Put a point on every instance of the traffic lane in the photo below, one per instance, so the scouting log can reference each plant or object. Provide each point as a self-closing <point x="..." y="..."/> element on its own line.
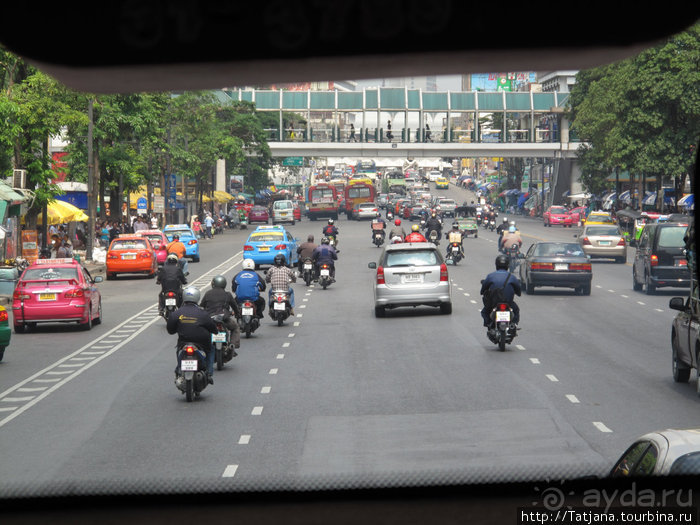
<point x="31" y="352"/>
<point x="347" y="364"/>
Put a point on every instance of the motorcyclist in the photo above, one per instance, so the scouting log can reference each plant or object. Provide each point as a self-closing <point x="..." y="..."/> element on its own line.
<point x="305" y="250"/>
<point x="279" y="277"/>
<point x="171" y="279"/>
<point x="433" y="224"/>
<point x="491" y="215"/>
<point x="503" y="227"/>
<point x="415" y="235"/>
<point x="178" y="248"/>
<point x="325" y="254"/>
<point x="378" y="224"/>
<point x="247" y="285"/>
<point x="193" y="325"/>
<point x="219" y="301"/>
<point x="496" y="280"/>
<point x="511" y="237"/>
<point x="330" y="230"/>
<point x="455" y="236"/>
<point x="397" y="230"/>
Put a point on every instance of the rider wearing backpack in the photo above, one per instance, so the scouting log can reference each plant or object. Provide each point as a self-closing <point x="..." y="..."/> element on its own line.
<point x="500" y="286"/>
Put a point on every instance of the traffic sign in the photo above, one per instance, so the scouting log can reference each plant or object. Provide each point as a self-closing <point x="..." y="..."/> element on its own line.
<point x="293" y="161"/>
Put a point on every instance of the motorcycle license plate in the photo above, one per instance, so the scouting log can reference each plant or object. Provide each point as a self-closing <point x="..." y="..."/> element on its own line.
<point x="218" y="338"/>
<point x="279" y="306"/>
<point x="325" y="273"/>
<point x="171" y="302"/>
<point x="247" y="311"/>
<point x="502" y="317"/>
<point x="189" y="365"/>
<point x="455" y="249"/>
<point x="308" y="267"/>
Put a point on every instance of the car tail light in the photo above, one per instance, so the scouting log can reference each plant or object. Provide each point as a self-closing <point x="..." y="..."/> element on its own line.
<point x="112" y="255"/>
<point x="145" y="255"/>
<point x="74" y="292"/>
<point x="654" y="260"/>
<point x="189" y="349"/>
<point x="3" y="316"/>
<point x="621" y="242"/>
<point x="248" y="248"/>
<point x="380" y="275"/>
<point x="281" y="247"/>
<point x="171" y="294"/>
<point x="19" y="296"/>
<point x="580" y="266"/>
<point x="443" y="272"/>
<point x="192" y="241"/>
<point x="541" y="266"/>
<point x="585" y="241"/>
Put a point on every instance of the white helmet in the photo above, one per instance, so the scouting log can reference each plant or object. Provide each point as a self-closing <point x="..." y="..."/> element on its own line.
<point x="248" y="264"/>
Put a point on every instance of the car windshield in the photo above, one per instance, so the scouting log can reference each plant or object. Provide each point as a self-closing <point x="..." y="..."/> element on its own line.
<point x="266" y="237"/>
<point x="557" y="250"/>
<point x="48" y="274"/>
<point x="559" y="209"/>
<point x="130" y="244"/>
<point x="411" y="258"/>
<point x="603" y="230"/>
<point x="672" y="237"/>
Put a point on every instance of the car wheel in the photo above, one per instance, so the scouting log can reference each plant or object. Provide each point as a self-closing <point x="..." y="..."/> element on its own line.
<point x="635" y="285"/>
<point x="110" y="276"/>
<point x="20" y="328"/>
<point x="87" y="326"/>
<point x="446" y="308"/>
<point x="379" y="311"/>
<point x="195" y="259"/>
<point x="2" y="352"/>
<point x="98" y="319"/>
<point x="585" y="289"/>
<point x="681" y="371"/>
<point x="649" y="287"/>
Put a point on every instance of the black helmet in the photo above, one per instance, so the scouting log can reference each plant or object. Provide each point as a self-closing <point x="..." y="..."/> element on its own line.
<point x="325" y="240"/>
<point x="280" y="260"/>
<point x="218" y="282"/>
<point x="501" y="262"/>
<point x="455" y="225"/>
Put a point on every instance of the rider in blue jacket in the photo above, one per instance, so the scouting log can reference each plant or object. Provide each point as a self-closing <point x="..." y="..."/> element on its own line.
<point x="325" y="254"/>
<point x="247" y="285"/>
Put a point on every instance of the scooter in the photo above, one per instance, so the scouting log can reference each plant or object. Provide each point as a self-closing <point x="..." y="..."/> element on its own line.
<point x="249" y="320"/>
<point x="221" y="342"/>
<point x="502" y="330"/>
<point x="454" y="254"/>
<point x="191" y="373"/>
<point x="169" y="304"/>
<point x="280" y="307"/>
<point x="378" y="238"/>
<point x="492" y="225"/>
<point x="324" y="275"/>
<point x="307" y="271"/>
<point x="514" y="257"/>
<point x="433" y="237"/>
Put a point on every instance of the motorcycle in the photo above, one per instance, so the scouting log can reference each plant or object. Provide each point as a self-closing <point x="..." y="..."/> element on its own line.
<point x="502" y="330"/>
<point x="514" y="257"/>
<point x="221" y="342"/>
<point x="169" y="304"/>
<point x="279" y="306"/>
<point x="191" y="374"/>
<point x="454" y="254"/>
<point x="492" y="225"/>
<point x="248" y="321"/>
<point x="389" y="216"/>
<point x="332" y="241"/>
<point x="478" y="219"/>
<point x="324" y="276"/>
<point x="422" y="224"/>
<point x="378" y="238"/>
<point x="244" y="221"/>
<point x="433" y="237"/>
<point x="307" y="270"/>
<point x="218" y="227"/>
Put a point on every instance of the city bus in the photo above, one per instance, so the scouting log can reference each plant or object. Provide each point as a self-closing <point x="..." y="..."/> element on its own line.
<point x="366" y="168"/>
<point x="357" y="191"/>
<point x="322" y="201"/>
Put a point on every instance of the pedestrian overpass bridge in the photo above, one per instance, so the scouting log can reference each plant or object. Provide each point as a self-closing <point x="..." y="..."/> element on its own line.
<point x="410" y="123"/>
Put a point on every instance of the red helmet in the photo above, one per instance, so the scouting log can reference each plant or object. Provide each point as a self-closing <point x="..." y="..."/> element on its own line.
<point x="397" y="222"/>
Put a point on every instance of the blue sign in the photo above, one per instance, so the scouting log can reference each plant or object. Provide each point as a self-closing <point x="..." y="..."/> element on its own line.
<point x="142" y="204"/>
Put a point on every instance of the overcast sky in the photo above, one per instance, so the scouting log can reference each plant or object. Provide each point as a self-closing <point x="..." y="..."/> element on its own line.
<point x="444" y="83"/>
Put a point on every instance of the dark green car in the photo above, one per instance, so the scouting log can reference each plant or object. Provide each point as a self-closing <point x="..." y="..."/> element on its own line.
<point x="467" y="225"/>
<point x="5" y="331"/>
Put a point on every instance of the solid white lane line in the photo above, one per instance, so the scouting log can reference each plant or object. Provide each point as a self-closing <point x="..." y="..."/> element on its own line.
<point x="534" y="361"/>
<point x="229" y="471"/>
<point x="244" y="439"/>
<point x="256" y="411"/>
<point x="600" y="426"/>
<point x="552" y="378"/>
<point x="266" y="390"/>
<point x="572" y="398"/>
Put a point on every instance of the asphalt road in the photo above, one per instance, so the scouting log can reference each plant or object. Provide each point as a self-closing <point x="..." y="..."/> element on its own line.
<point x="337" y="397"/>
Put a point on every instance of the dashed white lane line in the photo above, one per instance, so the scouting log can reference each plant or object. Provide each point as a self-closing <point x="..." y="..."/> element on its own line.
<point x="296" y="323"/>
<point x="256" y="411"/>
<point x="291" y="335"/>
<point x="611" y="291"/>
<point x="300" y="315"/>
<point x="572" y="398"/>
<point x="302" y="306"/>
<point x="273" y="371"/>
<point x="229" y="471"/>
<point x="658" y="309"/>
<point x="244" y="439"/>
<point x="600" y="426"/>
<point x="266" y="390"/>
<point x="552" y="378"/>
<point x="534" y="361"/>
<point x="640" y="302"/>
<point x="625" y="296"/>
<point x="280" y="356"/>
<point x="285" y="345"/>
<point x="598" y="286"/>
<point x="520" y="347"/>
<point x="472" y="301"/>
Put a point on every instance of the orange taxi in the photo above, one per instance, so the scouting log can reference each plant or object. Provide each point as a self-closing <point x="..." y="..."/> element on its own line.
<point x="131" y="253"/>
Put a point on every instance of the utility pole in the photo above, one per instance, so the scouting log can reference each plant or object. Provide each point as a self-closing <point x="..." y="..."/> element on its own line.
<point x="92" y="208"/>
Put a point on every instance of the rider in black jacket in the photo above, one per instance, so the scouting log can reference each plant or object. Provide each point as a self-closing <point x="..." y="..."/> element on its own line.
<point x="219" y="301"/>
<point x="171" y="279"/>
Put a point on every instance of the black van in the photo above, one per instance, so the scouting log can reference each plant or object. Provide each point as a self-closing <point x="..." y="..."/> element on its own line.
<point x="660" y="259"/>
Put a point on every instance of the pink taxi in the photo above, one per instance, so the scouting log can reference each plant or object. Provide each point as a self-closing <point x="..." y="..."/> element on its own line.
<point x="159" y="242"/>
<point x="557" y="215"/>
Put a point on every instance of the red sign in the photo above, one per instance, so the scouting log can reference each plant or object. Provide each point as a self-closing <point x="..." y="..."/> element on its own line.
<point x="60" y="163"/>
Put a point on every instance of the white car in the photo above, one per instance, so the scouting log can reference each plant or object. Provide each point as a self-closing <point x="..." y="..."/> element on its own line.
<point x="434" y="175"/>
<point x="659" y="453"/>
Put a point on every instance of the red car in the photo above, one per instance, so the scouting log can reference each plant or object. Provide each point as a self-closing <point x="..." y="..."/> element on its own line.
<point x="159" y="242"/>
<point x="258" y="214"/>
<point x="297" y="211"/>
<point x="558" y="215"/>
<point x="577" y="214"/>
<point x="56" y="291"/>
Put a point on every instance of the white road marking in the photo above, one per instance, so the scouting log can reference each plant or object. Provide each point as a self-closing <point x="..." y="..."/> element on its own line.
<point x="611" y="291"/>
<point x="94" y="353"/>
<point x="472" y="301"/>
<point x="36" y="389"/>
<point x="598" y="286"/>
<point x="280" y="356"/>
<point x="46" y="380"/>
<point x="520" y="347"/>
<point x="82" y="358"/>
<point x="266" y="390"/>
<point x="572" y="398"/>
<point x="460" y="289"/>
<point x="8" y="409"/>
<point x="600" y="426"/>
<point x="16" y="399"/>
<point x="658" y="309"/>
<point x="59" y="373"/>
<point x="98" y="348"/>
<point x="256" y="411"/>
<point x="296" y="323"/>
<point x="229" y="471"/>
<point x="302" y="306"/>
<point x="244" y="439"/>
<point x="71" y="365"/>
<point x="291" y="335"/>
<point x="304" y="299"/>
<point x="625" y="296"/>
<point x="534" y="361"/>
<point x="286" y="345"/>
<point x="552" y="378"/>
<point x="300" y="315"/>
<point x="273" y="371"/>
<point x="640" y="302"/>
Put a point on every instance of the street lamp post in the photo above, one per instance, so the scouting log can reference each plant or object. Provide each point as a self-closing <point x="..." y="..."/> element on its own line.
<point x="92" y="209"/>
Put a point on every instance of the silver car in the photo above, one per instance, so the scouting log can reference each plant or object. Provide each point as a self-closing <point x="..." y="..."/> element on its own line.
<point x="448" y="207"/>
<point x="604" y="240"/>
<point x="366" y="210"/>
<point x="411" y="274"/>
<point x="662" y="453"/>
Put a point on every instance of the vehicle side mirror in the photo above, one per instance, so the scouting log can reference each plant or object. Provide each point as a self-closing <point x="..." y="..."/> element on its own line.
<point x="372" y="265"/>
<point x="98" y="279"/>
<point x="677" y="303"/>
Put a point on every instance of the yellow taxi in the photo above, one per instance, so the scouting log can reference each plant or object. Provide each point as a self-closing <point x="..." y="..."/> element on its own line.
<point x="441" y="183"/>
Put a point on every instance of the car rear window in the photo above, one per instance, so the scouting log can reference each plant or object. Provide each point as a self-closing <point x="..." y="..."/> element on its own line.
<point x="688" y="464"/>
<point x="181" y="233"/>
<point x="130" y="245"/>
<point x="368" y="205"/>
<point x="603" y="230"/>
<point x="411" y="258"/>
<point x="266" y="236"/>
<point x="50" y="274"/>
<point x="557" y="250"/>
<point x="672" y="237"/>
<point x="156" y="240"/>
<point x="282" y="205"/>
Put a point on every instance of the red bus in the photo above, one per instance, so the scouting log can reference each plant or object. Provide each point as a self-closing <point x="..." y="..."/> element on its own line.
<point x="358" y="191"/>
<point x="322" y="201"/>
